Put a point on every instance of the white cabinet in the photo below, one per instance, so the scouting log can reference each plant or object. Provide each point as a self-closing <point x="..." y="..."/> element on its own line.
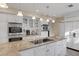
<point x="29" y="52"/>
<point x="40" y="51"/>
<point x="72" y="42"/>
<point x="72" y="27"/>
<point x="45" y="50"/>
<point x="37" y="51"/>
<point x="68" y="33"/>
<point x="11" y="18"/>
<point x="75" y="40"/>
<point x="19" y="19"/>
<point x="60" y="48"/>
<point x="50" y="49"/>
<point x="14" y="18"/>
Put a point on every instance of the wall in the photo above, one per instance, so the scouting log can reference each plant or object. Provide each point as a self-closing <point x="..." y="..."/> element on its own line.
<point x="3" y="28"/>
<point x="71" y="14"/>
<point x="57" y="27"/>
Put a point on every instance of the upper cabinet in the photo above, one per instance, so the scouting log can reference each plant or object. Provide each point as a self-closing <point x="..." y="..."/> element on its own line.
<point x="19" y="19"/>
<point x="14" y="18"/>
<point x="31" y="23"/>
<point x="36" y="23"/>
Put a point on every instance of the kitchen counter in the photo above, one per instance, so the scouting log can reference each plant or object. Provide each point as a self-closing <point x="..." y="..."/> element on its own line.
<point x="13" y="48"/>
<point x="53" y="40"/>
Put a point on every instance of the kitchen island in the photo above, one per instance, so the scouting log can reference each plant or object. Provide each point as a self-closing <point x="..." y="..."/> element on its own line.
<point x="56" y="47"/>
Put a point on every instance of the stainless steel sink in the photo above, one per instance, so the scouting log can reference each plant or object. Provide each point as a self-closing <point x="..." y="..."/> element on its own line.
<point x="36" y="41"/>
<point x="41" y="41"/>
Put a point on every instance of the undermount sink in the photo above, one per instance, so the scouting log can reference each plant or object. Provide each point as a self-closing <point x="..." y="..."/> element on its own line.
<point x="41" y="41"/>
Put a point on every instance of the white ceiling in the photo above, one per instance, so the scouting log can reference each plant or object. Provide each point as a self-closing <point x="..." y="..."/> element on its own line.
<point x="55" y="9"/>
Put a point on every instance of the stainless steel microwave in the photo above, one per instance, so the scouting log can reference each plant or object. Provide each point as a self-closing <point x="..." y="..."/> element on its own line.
<point x="15" y="29"/>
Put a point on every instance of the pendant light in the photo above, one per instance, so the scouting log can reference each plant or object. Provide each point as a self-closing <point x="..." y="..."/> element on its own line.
<point x="20" y="13"/>
<point x="53" y="21"/>
<point x="48" y="14"/>
<point x="3" y="5"/>
<point x="47" y="20"/>
<point x="41" y="19"/>
<point x="33" y="17"/>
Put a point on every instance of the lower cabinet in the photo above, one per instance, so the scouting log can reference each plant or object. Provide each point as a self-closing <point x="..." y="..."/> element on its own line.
<point x="28" y="52"/>
<point x="45" y="50"/>
<point x="52" y="49"/>
<point x="60" y="48"/>
<point x="40" y="51"/>
<point x="59" y="51"/>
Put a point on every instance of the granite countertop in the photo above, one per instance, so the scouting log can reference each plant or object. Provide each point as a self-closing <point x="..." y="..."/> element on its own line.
<point x="13" y="48"/>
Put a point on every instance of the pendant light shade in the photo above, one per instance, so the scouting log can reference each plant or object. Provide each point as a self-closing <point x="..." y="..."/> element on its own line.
<point x="3" y="5"/>
<point x="33" y="17"/>
<point x="20" y="13"/>
<point x="53" y="21"/>
<point x="47" y="20"/>
<point x="41" y="19"/>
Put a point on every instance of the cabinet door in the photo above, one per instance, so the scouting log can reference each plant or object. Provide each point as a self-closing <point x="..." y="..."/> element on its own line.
<point x="75" y="42"/>
<point x="29" y="52"/>
<point x="68" y="33"/>
<point x="19" y="19"/>
<point x="60" y="48"/>
<point x="11" y="18"/>
<point x="50" y="49"/>
<point x="40" y="51"/>
<point x="31" y="22"/>
<point x="36" y="23"/>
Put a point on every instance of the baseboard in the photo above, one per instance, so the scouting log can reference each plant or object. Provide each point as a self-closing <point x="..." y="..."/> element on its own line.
<point x="72" y="49"/>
